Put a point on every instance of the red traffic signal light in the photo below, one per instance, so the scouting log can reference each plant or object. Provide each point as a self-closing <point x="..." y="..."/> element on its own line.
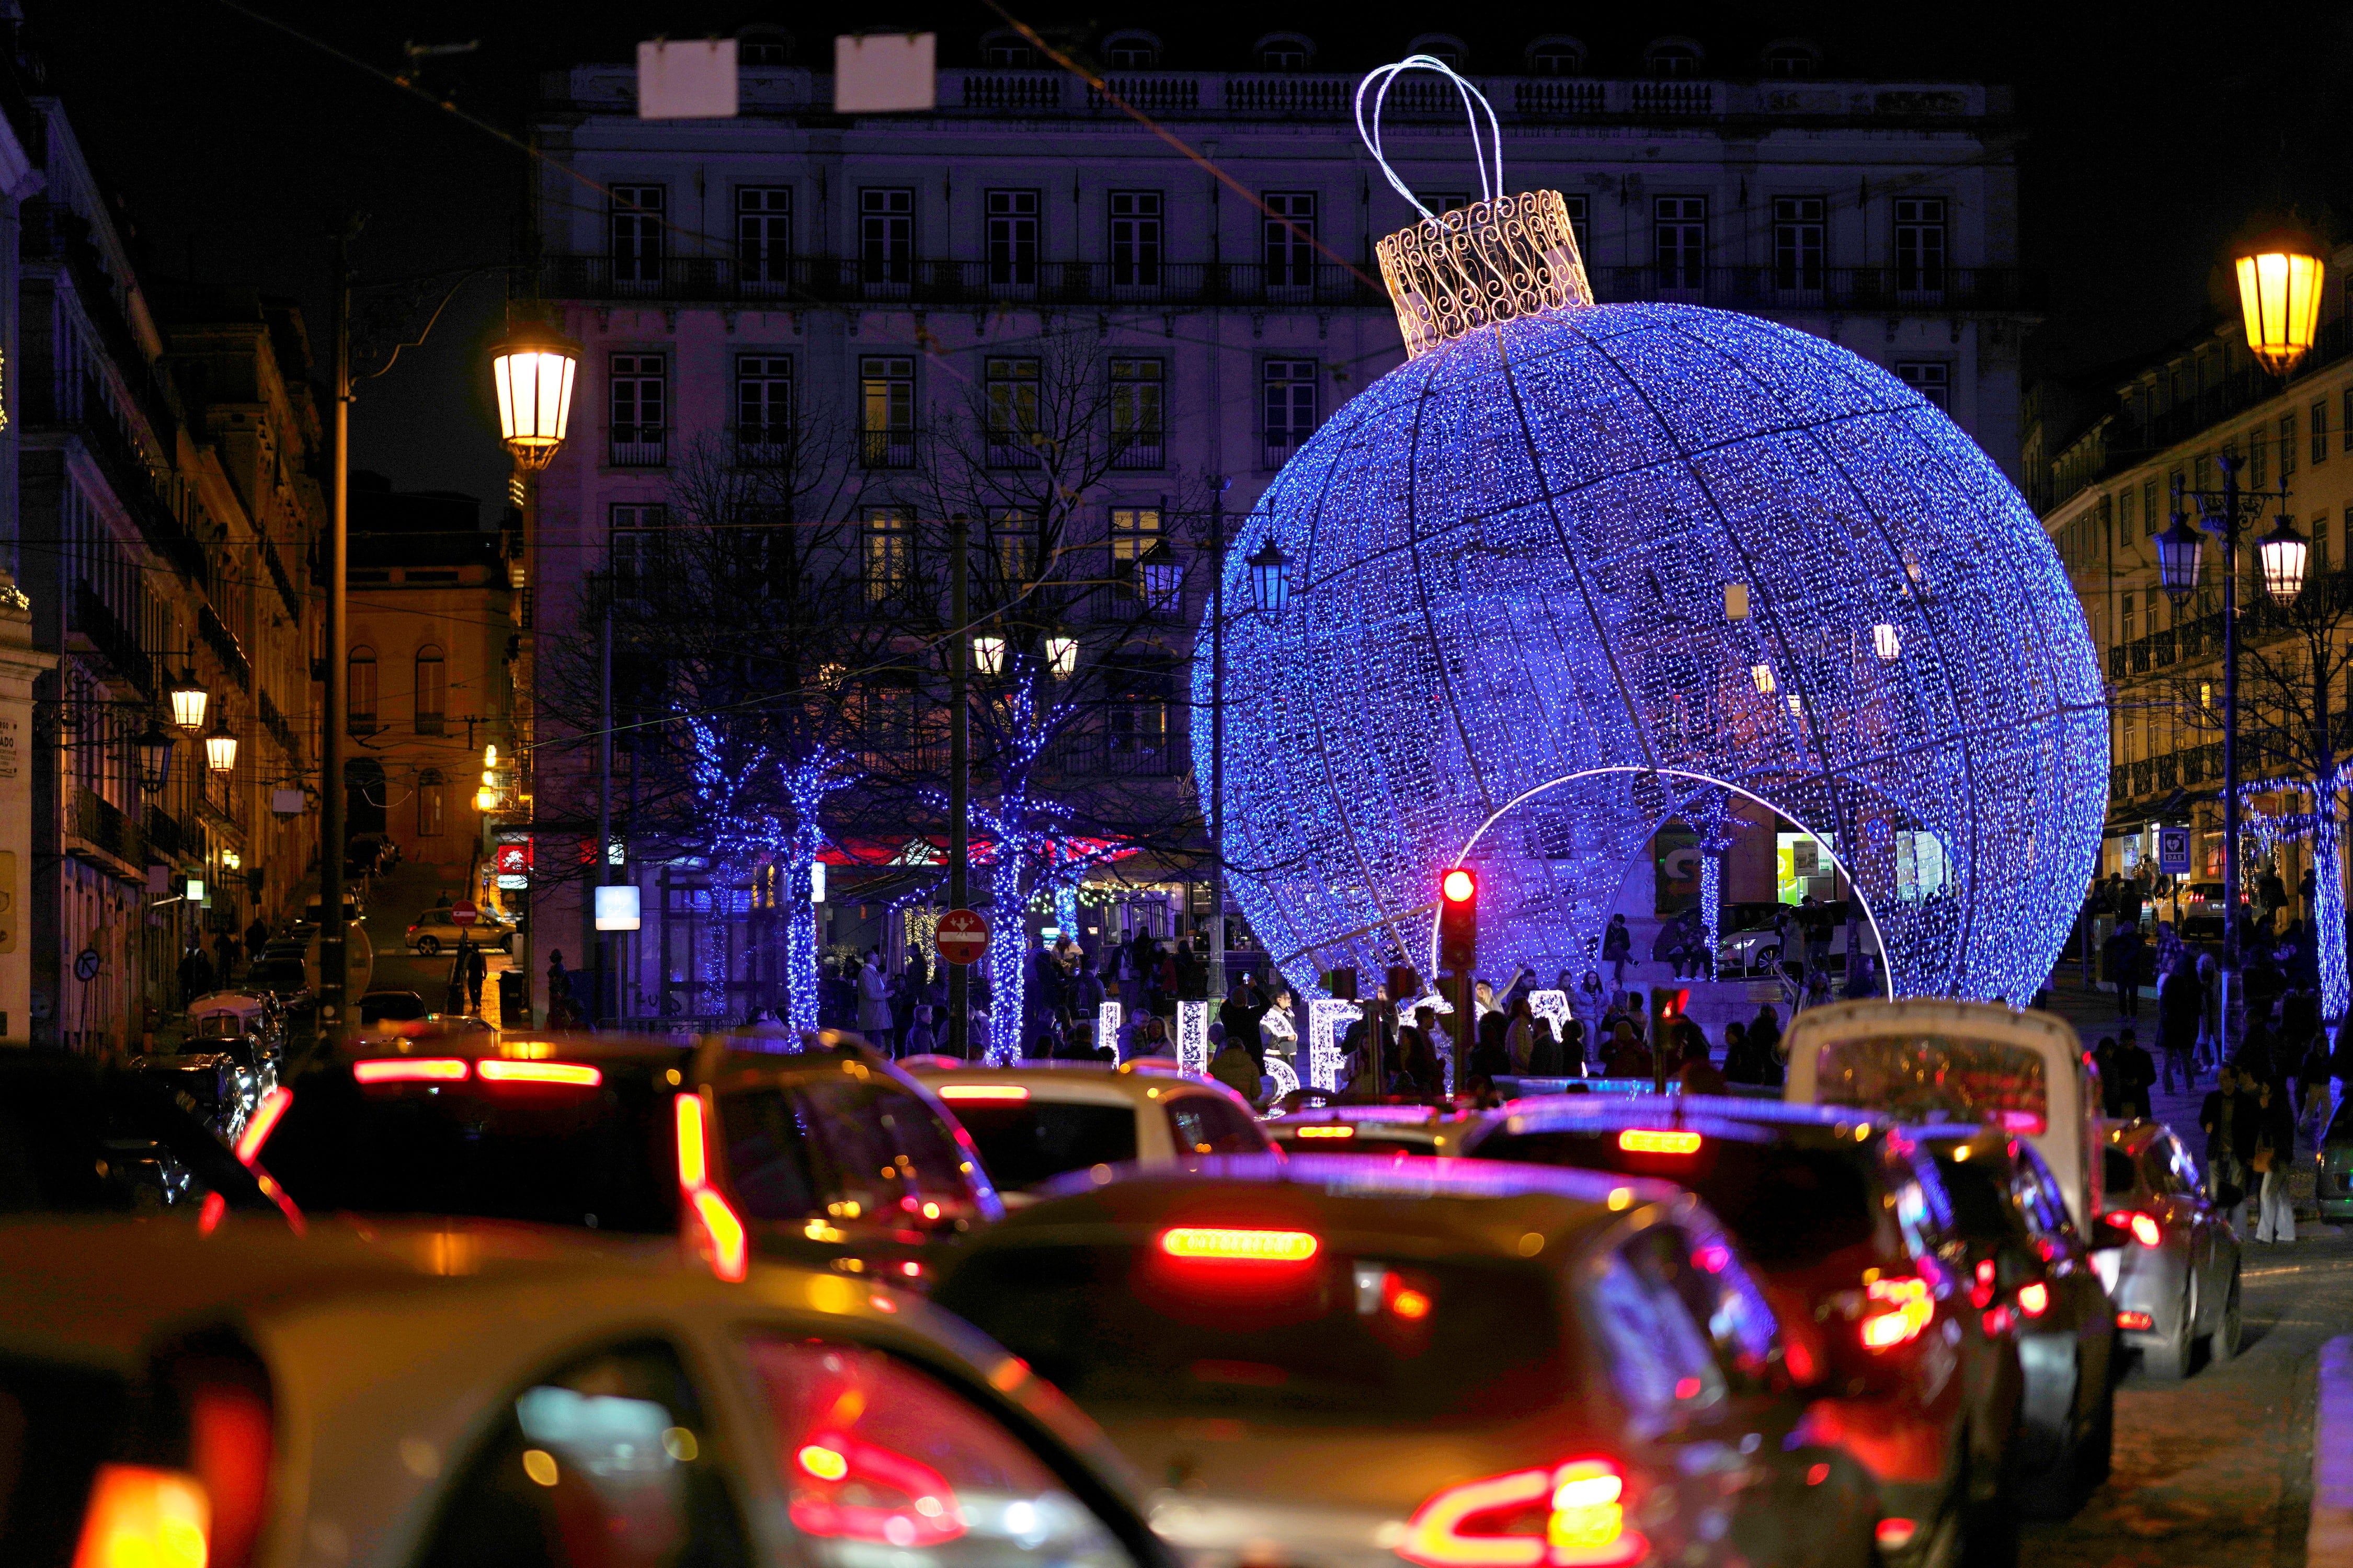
<point x="1458" y="922"/>
<point x="1460" y="886"/>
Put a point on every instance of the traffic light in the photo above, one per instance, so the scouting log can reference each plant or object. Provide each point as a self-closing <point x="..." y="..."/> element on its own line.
<point x="1458" y="922"/>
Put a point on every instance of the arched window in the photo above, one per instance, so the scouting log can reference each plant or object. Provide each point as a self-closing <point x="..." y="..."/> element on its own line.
<point x="1674" y="58"/>
<point x="432" y="689"/>
<point x="359" y="692"/>
<point x="1132" y="51"/>
<point x="1789" y="58"/>
<point x="1557" y="56"/>
<point x="1443" y="47"/>
<point x="1002" y="49"/>
<point x="1284" y="52"/>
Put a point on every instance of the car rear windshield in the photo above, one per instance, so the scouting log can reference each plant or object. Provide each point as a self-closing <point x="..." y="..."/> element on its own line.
<point x="1929" y="1078"/>
<point x="842" y="1146"/>
<point x="602" y="1157"/>
<point x="1789" y="1206"/>
<point x="1024" y="1142"/>
<point x="1340" y="1334"/>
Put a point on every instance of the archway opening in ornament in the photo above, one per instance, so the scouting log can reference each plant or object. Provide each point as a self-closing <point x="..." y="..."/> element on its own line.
<point x="1535" y="890"/>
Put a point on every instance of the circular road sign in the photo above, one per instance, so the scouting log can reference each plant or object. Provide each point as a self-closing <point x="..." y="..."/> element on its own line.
<point x="962" y="936"/>
<point x="462" y="913"/>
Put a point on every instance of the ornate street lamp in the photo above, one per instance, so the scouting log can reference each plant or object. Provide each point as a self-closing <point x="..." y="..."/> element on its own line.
<point x="155" y="746"/>
<point x="1270" y="577"/>
<point x="188" y="699"/>
<point x="988" y="654"/>
<point x="2283" y="552"/>
<point x="220" y="746"/>
<point x="2180" y="552"/>
<point x="1157" y="579"/>
<point x="2280" y="278"/>
<point x="1063" y="657"/>
<point x="533" y="368"/>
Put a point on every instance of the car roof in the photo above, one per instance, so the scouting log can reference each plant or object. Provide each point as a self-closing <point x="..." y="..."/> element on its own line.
<point x="1069" y="1083"/>
<point x="1727" y="1115"/>
<point x="1443" y="1206"/>
<point x="1404" y="1116"/>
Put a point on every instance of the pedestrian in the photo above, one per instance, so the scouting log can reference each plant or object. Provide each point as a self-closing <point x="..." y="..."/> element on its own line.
<point x="2209" y="1025"/>
<point x="257" y="937"/>
<point x="1617" y="949"/>
<point x="1696" y="1073"/>
<point x="472" y="969"/>
<point x="2135" y="1076"/>
<point x="1417" y="1075"/>
<point x="1547" y="1054"/>
<point x="1520" y="1037"/>
<point x="1573" y="1060"/>
<point x="2228" y="1119"/>
<point x="1625" y="1056"/>
<point x="2120" y="955"/>
<point x="1765" y="1046"/>
<point x="1491" y="1056"/>
<point x="2273" y="1158"/>
<point x="1155" y="1041"/>
<point x="874" y="1003"/>
<point x="224" y="953"/>
<point x="1088" y="991"/>
<point x="2179" y="1007"/>
<point x="2312" y="1084"/>
<point x="1814" y="918"/>
<point x="1239" y="1015"/>
<point x="1231" y="1063"/>
<point x="918" y="1040"/>
<point x="195" y="975"/>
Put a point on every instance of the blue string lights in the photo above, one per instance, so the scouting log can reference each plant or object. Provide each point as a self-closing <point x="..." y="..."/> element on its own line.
<point x="1654" y="537"/>
<point x="2318" y="825"/>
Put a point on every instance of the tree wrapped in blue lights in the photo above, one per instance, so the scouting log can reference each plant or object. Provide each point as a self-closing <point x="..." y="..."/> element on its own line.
<point x="1561" y="569"/>
<point x="2319" y="827"/>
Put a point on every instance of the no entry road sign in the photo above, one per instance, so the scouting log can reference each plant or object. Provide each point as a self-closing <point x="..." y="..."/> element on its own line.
<point x="962" y="937"/>
<point x="462" y="913"/>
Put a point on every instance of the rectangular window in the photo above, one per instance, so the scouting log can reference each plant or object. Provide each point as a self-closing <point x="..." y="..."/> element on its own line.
<point x="1012" y="387"/>
<point x="763" y="234"/>
<point x="640" y="409"/>
<point x="1140" y="554"/>
<point x="1012" y="237"/>
<point x="1134" y="530"/>
<point x="432" y="697"/>
<point x="2320" y="432"/>
<point x="2132" y="622"/>
<point x="888" y="552"/>
<point x="886" y="237"/>
<point x="1288" y="388"/>
<point x="2148" y="510"/>
<point x="1013" y="544"/>
<point x="1932" y="379"/>
<point x="886" y="417"/>
<point x="2286" y="446"/>
<point x="1576" y="210"/>
<point x="2345" y="422"/>
<point x="2319" y="544"/>
<point x="764" y="409"/>
<point x="635" y="546"/>
<point x="637" y="233"/>
<point x="1679" y="234"/>
<point x="1920" y="244"/>
<point x="2125" y="513"/>
<point x="360" y="693"/>
<point x="428" y="810"/>
<point x="1136" y="239"/>
<point x="1290" y="230"/>
<point x="1138" y="431"/>
<point x="1798" y="231"/>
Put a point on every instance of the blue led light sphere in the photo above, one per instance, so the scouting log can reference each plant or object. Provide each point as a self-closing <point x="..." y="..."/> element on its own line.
<point x="1563" y="578"/>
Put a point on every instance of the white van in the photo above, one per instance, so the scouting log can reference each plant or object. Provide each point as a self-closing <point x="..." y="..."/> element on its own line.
<point x="1924" y="1061"/>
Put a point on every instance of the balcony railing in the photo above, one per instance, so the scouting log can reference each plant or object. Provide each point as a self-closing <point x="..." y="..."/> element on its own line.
<point x="115" y="641"/>
<point x="99" y="821"/>
<point x="887" y="448"/>
<point x="638" y="446"/>
<point x="274" y="722"/>
<point x="719" y="279"/>
<point x="761" y="446"/>
<point x="1139" y="452"/>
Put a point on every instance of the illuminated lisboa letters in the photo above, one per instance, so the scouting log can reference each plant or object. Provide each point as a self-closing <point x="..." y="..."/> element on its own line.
<point x="1574" y="570"/>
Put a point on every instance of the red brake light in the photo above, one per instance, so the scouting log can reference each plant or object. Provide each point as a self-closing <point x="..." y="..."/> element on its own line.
<point x="2034" y="1299"/>
<point x="1895" y="1534"/>
<point x="1334" y="1129"/>
<point x="1906" y="1308"/>
<point x="1648" y="1141"/>
<point x="137" y="1514"/>
<point x="410" y="1069"/>
<point x="717" y="1230"/>
<point x="1226" y="1244"/>
<point x="572" y="1073"/>
<point x="996" y="1091"/>
<point x="2135" y="1320"/>
<point x="2147" y="1231"/>
<point x="1573" y="1515"/>
<point x="1981" y="1292"/>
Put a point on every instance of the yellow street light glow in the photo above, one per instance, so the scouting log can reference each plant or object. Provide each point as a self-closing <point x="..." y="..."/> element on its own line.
<point x="2280" y="278"/>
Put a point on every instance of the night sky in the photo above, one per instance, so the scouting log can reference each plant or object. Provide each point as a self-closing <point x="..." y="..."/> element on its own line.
<point x="2154" y="132"/>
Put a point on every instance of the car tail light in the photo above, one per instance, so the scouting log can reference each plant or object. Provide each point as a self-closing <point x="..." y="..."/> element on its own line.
<point x="1332" y="1130"/>
<point x="1895" y="1534"/>
<point x="1981" y="1292"/>
<point x="985" y="1091"/>
<point x="717" y="1231"/>
<point x="1650" y="1141"/>
<point x="1228" y="1245"/>
<point x="140" y="1517"/>
<point x="1572" y="1515"/>
<point x="258" y="1129"/>
<point x="572" y="1073"/>
<point x="839" y="1478"/>
<point x="2034" y="1299"/>
<point x="262" y="1123"/>
<point x="410" y="1069"/>
<point x="2144" y="1228"/>
<point x="2135" y="1320"/>
<point x="1998" y="1322"/>
<point x="1903" y="1308"/>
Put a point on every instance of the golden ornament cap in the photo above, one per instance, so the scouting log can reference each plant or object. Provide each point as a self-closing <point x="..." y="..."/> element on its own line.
<point x="1477" y="266"/>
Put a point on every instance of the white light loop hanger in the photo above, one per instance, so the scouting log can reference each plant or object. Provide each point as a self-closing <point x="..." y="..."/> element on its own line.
<point x="1474" y="102"/>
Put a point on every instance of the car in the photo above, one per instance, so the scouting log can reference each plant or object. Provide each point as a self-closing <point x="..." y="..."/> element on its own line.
<point x="1776" y="944"/>
<point x="2333" y="1176"/>
<point x="354" y="909"/>
<point x="830" y="1157"/>
<point x="83" y="1137"/>
<point x="392" y="1006"/>
<point x="428" y="1397"/>
<point x="1323" y="1361"/>
<point x="2166" y="1253"/>
<point x="1393" y="1132"/>
<point x="1847" y="1223"/>
<point x="2029" y="1263"/>
<point x="434" y="932"/>
<point x="1034" y="1122"/>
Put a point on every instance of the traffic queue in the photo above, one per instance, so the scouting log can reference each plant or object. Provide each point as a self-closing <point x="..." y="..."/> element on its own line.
<point x="458" y="1297"/>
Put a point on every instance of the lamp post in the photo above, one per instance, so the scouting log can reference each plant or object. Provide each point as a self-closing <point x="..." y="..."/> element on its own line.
<point x="2280" y="278"/>
<point x="2180" y="552"/>
<point x="532" y="370"/>
<point x="155" y="747"/>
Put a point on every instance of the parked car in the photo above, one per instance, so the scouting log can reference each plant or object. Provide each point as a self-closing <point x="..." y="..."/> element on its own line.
<point x="1846" y="1222"/>
<point x="2166" y="1253"/>
<point x="437" y="1400"/>
<point x="393" y="1006"/>
<point x="832" y="1158"/>
<point x="1324" y="1361"/>
<point x="2333" y="1181"/>
<point x="2027" y="1260"/>
<point x="1775" y="944"/>
<point x="1392" y="1132"/>
<point x="434" y="932"/>
<point x="354" y="909"/>
<point x="1035" y="1121"/>
<point x="83" y="1138"/>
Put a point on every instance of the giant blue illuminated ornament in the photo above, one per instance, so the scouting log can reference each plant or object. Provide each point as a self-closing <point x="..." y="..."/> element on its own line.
<point x="1574" y="569"/>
